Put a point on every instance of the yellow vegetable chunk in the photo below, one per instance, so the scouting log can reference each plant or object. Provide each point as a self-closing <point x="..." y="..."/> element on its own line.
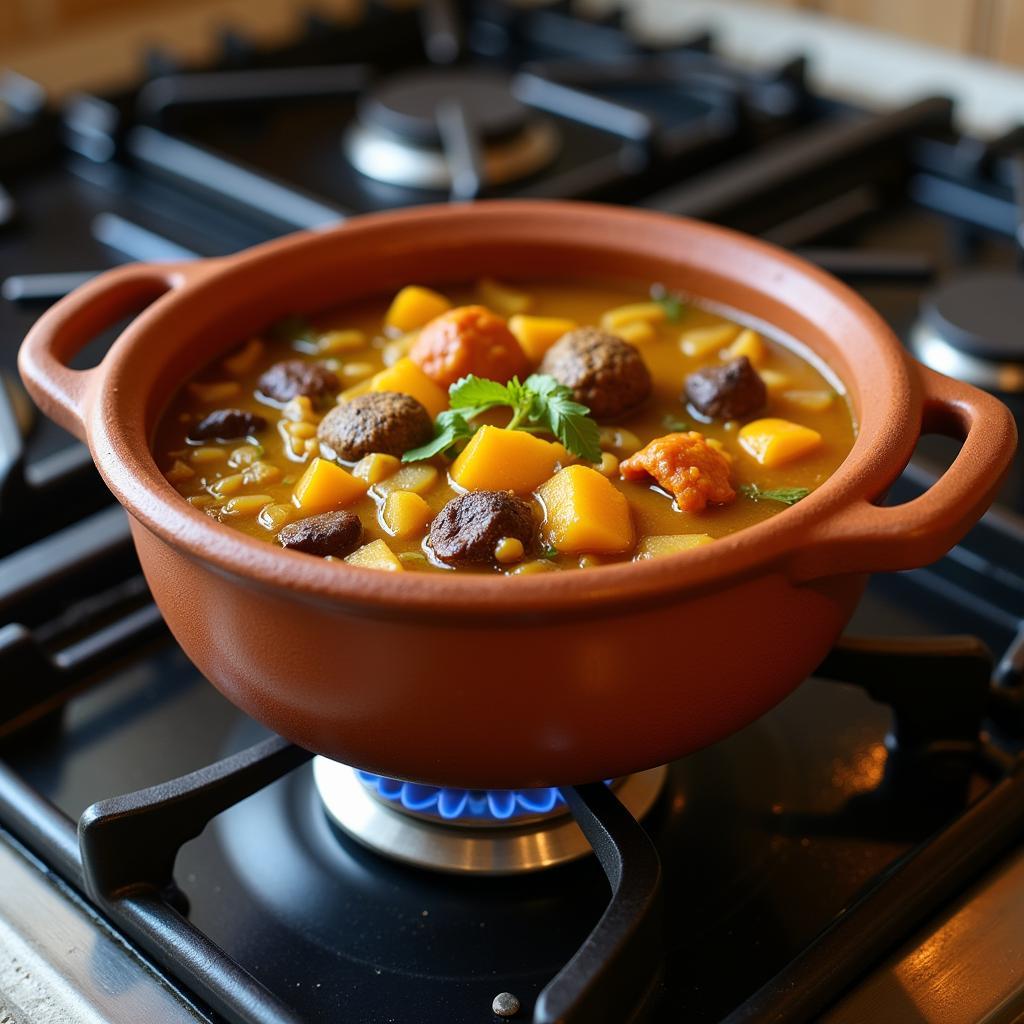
<point x="505" y="460"/>
<point x="418" y="478"/>
<point x="244" y="359"/>
<point x="647" y="312"/>
<point x="773" y="380"/>
<point x="179" y="471"/>
<point x="414" y="306"/>
<point x="658" y="547"/>
<point x="333" y="343"/>
<point x="585" y="514"/>
<point x="509" y="550"/>
<point x="748" y="343"/>
<point x="812" y="401"/>
<point x="503" y="299"/>
<point x="375" y="467"/>
<point x="325" y="486"/>
<point x="375" y="555"/>
<point x="700" y="341"/>
<point x="405" y="514"/>
<point x="774" y="442"/>
<point x="636" y="332"/>
<point x="536" y="334"/>
<point x="405" y="376"/>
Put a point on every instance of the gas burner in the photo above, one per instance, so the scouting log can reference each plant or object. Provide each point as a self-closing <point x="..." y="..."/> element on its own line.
<point x="532" y="829"/>
<point x="971" y="328"/>
<point x="404" y="131"/>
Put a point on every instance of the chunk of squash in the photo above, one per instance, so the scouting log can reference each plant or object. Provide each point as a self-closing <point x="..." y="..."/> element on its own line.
<point x="748" y="343"/>
<point x="702" y="341"/>
<point x="503" y="298"/>
<point x="376" y="555"/>
<point x="646" y="312"/>
<point x="405" y="376"/>
<point x="774" y="442"/>
<point x="585" y="514"/>
<point x="536" y="334"/>
<point x="325" y="486"/>
<point x="405" y="514"/>
<point x="505" y="460"/>
<point x="670" y="544"/>
<point x="375" y="467"/>
<point x="414" y="306"/>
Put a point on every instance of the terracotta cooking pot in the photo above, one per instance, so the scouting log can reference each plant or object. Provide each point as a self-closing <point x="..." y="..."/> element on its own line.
<point x="554" y="678"/>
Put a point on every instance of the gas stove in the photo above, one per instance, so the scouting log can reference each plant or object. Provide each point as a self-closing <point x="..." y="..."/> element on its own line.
<point x="847" y="857"/>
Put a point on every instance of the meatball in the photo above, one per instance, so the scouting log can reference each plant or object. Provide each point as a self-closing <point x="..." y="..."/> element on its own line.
<point x="467" y="530"/>
<point x="605" y="373"/>
<point x="227" y="425"/>
<point x="379" y="421"/>
<point x="686" y="464"/>
<point x="469" y="339"/>
<point x="283" y="381"/>
<point x="330" y="533"/>
<point x="726" y="392"/>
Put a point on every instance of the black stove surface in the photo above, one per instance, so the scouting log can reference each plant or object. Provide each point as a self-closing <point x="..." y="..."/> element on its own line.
<point x="776" y="845"/>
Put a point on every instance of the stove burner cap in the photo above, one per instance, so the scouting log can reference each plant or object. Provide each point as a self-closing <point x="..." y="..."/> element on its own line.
<point x="406" y="105"/>
<point x="972" y="327"/>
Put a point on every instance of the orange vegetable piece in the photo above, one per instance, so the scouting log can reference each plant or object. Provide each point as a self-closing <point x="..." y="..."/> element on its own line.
<point x="506" y="460"/>
<point x="469" y="339"/>
<point x="685" y="464"/>
<point x="325" y="486"/>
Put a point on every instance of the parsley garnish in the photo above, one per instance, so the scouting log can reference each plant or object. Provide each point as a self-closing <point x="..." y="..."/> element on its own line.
<point x="549" y="552"/>
<point x="787" y="495"/>
<point x="671" y="302"/>
<point x="539" y="405"/>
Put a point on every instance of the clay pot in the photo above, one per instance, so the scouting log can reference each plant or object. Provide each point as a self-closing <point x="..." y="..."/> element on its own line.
<point x="488" y="681"/>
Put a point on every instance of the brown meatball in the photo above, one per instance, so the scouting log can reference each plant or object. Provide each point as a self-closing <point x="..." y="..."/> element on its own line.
<point x="330" y="533"/>
<point x="283" y="381"/>
<point x="467" y="530"/>
<point x="726" y="392"/>
<point x="227" y="425"/>
<point x="379" y="421"/>
<point x="605" y="373"/>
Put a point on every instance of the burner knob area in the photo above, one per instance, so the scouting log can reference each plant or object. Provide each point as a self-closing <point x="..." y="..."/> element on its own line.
<point x="505" y="1005"/>
<point x="972" y="327"/>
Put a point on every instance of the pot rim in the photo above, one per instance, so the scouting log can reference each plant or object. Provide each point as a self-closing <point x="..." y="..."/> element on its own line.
<point x="888" y="429"/>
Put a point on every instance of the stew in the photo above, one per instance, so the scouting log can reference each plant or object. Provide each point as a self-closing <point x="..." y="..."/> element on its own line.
<point x="504" y="428"/>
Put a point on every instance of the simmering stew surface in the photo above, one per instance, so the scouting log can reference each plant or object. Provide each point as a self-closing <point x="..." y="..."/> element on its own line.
<point x="504" y="428"/>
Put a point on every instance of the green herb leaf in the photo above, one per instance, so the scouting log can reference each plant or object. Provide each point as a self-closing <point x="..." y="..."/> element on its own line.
<point x="675" y="424"/>
<point x="671" y="302"/>
<point x="548" y="552"/>
<point x="786" y="495"/>
<point x="539" y="405"/>
<point x="450" y="428"/>
<point x="297" y="331"/>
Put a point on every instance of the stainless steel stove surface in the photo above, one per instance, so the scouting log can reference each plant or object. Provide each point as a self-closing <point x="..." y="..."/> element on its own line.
<point x="162" y="858"/>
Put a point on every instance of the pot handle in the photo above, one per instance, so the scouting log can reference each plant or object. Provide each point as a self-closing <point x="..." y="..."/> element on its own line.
<point x="67" y="326"/>
<point x="875" y="538"/>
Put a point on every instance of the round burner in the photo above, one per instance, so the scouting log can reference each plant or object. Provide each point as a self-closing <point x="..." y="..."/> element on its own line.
<point x="406" y="105"/>
<point x="396" y="139"/>
<point x="513" y="846"/>
<point x="972" y="328"/>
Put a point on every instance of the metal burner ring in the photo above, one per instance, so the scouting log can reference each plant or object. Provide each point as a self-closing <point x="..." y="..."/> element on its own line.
<point x="388" y="159"/>
<point x="487" y="850"/>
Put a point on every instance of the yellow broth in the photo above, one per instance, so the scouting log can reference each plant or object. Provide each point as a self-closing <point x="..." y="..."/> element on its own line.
<point x="788" y="375"/>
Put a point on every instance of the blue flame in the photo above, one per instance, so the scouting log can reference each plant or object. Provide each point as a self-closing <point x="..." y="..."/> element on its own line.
<point x="449" y="803"/>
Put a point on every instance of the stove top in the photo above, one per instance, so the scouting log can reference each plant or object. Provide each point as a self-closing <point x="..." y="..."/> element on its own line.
<point x="214" y="871"/>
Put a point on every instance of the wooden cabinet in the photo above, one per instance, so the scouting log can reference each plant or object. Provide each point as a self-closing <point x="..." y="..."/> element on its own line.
<point x="1007" y="31"/>
<point x="951" y="23"/>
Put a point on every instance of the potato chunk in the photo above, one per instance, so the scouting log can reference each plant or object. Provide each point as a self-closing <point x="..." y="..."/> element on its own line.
<point x="414" y="306"/>
<point x="585" y="514"/>
<point x="408" y="379"/>
<point x="502" y="298"/>
<point x="325" y="486"/>
<point x="375" y="555"/>
<point x="748" y="343"/>
<point x="774" y="442"/>
<point x="687" y="465"/>
<point x="405" y="514"/>
<point x="505" y="460"/>
<point x="670" y="544"/>
<point x="536" y="334"/>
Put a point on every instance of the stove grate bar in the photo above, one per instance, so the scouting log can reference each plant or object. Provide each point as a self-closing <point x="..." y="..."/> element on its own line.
<point x="615" y="970"/>
<point x="831" y="156"/>
<point x="893" y="909"/>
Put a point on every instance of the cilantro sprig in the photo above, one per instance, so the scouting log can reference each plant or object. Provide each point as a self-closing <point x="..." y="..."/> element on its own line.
<point x="540" y="405"/>
<point x="786" y="495"/>
<point x="671" y="302"/>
